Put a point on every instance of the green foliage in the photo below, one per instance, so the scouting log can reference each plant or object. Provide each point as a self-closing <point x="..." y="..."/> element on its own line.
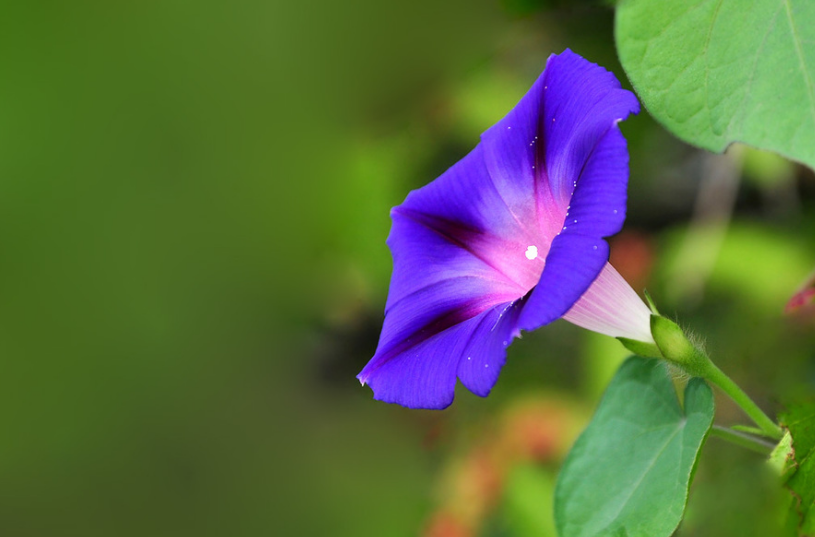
<point x="767" y="170"/>
<point x="781" y="459"/>
<point x="629" y="472"/>
<point x="759" y="264"/>
<point x="719" y="71"/>
<point x="799" y="420"/>
<point x="528" y="487"/>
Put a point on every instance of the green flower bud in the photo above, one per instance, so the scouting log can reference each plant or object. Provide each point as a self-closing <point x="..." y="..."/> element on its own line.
<point x="677" y="348"/>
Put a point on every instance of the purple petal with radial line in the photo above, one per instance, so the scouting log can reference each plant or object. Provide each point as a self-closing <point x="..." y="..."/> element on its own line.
<point x="453" y="292"/>
<point x="580" y="252"/>
<point x="424" y="375"/>
<point x="581" y="102"/>
<point x="459" y="225"/>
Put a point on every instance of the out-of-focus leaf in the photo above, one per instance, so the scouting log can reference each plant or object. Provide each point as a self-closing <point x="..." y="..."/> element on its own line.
<point x="484" y="99"/>
<point x="767" y="170"/>
<point x="758" y="263"/>
<point x="528" y="488"/>
<point x="720" y="71"/>
<point x="628" y="474"/>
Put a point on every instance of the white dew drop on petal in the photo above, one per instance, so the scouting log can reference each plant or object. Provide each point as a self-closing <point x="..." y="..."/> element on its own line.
<point x="531" y="252"/>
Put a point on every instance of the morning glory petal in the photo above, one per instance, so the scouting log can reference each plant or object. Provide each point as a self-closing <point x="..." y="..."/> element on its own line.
<point x="424" y="375"/>
<point x="460" y="226"/>
<point x="581" y="101"/>
<point x="515" y="159"/>
<point x="460" y="263"/>
<point x="612" y="308"/>
<point x="484" y="356"/>
<point x="580" y="251"/>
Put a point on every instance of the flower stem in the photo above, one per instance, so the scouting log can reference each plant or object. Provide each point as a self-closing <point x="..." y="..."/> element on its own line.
<point x="717" y="377"/>
<point x="740" y="439"/>
<point x="677" y="348"/>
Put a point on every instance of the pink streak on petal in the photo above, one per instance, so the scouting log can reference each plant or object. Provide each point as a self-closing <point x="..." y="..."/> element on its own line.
<point x="611" y="307"/>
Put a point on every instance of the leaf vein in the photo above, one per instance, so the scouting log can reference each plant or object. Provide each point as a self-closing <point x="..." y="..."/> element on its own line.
<point x="797" y="42"/>
<point x="680" y="427"/>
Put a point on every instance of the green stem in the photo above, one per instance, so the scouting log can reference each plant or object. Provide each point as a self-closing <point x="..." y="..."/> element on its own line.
<point x="740" y="439"/>
<point x="717" y="377"/>
<point x="676" y="347"/>
<point x="749" y="429"/>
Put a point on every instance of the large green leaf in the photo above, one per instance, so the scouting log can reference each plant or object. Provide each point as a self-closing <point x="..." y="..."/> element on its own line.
<point x="720" y="71"/>
<point x="628" y="474"/>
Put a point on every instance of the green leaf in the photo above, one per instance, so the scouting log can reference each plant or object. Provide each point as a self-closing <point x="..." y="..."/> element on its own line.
<point x="628" y="474"/>
<point x="799" y="420"/>
<point x="782" y="459"/>
<point x="720" y="71"/>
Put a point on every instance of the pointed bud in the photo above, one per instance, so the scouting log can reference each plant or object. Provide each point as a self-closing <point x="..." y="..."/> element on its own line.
<point x="641" y="348"/>
<point x="677" y="348"/>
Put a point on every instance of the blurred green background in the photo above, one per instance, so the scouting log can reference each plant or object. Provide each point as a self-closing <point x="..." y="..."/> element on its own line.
<point x="194" y="201"/>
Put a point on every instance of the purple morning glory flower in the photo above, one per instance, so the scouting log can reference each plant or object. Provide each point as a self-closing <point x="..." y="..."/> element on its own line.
<point x="510" y="238"/>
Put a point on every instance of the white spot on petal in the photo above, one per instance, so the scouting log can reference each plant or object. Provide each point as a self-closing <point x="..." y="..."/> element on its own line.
<point x="531" y="252"/>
